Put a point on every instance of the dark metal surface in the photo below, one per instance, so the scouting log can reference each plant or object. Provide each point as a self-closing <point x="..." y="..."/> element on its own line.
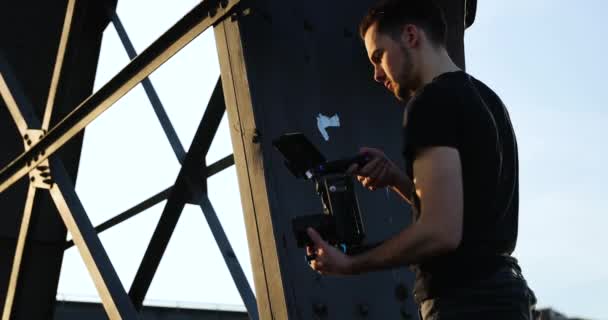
<point x="185" y="30"/>
<point x="471" y="13"/>
<point x="285" y="66"/>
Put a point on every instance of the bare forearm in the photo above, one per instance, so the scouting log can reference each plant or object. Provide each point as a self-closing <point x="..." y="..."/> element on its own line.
<point x="411" y="245"/>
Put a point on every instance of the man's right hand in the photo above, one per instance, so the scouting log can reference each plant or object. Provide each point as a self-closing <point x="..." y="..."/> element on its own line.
<point x="380" y="172"/>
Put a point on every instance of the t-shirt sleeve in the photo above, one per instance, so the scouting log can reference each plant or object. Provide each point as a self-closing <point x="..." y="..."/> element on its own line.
<point x="434" y="120"/>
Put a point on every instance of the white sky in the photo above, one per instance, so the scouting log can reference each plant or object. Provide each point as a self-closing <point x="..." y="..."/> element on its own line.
<point x="544" y="58"/>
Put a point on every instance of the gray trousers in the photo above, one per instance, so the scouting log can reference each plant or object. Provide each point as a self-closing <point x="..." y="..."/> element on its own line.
<point x="502" y="295"/>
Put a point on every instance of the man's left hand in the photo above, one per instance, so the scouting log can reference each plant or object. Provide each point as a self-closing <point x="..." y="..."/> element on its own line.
<point x="328" y="259"/>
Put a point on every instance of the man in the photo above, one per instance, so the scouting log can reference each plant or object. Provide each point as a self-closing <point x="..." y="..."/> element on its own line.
<point x="461" y="153"/>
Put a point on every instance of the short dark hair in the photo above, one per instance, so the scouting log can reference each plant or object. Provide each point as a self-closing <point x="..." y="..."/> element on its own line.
<point x="391" y="15"/>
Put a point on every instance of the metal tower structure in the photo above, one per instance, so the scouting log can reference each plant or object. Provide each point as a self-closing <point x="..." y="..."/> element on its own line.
<point x="283" y="64"/>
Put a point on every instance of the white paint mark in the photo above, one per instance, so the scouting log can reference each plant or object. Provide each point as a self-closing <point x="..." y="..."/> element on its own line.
<point x="324" y="122"/>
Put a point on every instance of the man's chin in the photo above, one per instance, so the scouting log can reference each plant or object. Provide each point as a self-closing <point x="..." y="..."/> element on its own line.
<point x="402" y="95"/>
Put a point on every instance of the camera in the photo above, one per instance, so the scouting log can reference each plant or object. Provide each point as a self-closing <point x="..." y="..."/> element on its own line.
<point x="340" y="222"/>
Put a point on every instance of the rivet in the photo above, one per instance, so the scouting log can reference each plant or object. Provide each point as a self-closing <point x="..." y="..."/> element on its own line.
<point x="401" y="292"/>
<point x="319" y="309"/>
<point x="308" y="26"/>
<point x="363" y="309"/>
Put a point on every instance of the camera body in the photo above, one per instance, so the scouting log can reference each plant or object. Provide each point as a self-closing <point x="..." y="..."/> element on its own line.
<point x="340" y="223"/>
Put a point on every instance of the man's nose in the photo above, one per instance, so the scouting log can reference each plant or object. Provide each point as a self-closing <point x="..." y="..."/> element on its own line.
<point x="379" y="75"/>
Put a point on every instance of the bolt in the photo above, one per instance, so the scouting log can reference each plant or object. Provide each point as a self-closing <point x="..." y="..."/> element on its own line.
<point x="308" y="26"/>
<point x="319" y="309"/>
<point x="256" y="137"/>
<point x="363" y="309"/>
<point x="401" y="292"/>
<point x="246" y="12"/>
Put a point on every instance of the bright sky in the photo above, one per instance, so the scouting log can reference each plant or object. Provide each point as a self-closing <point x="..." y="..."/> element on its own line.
<point x="544" y="58"/>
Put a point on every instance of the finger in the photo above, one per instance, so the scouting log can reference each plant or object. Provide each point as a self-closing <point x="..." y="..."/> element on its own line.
<point x="373" y="176"/>
<point x="381" y="178"/>
<point x="316" y="238"/>
<point x="310" y="250"/>
<point x="364" y="181"/>
<point x="368" y="183"/>
<point x="313" y="264"/>
<point x="369" y="167"/>
<point x="319" y="265"/>
<point x="352" y="169"/>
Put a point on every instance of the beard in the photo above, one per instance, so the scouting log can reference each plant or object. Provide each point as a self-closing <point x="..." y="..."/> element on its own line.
<point x="406" y="82"/>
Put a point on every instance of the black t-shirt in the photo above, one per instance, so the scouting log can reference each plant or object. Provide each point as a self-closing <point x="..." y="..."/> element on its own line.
<point x="458" y="111"/>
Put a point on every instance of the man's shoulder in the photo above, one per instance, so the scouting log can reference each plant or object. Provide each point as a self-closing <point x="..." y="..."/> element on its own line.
<point x="445" y="87"/>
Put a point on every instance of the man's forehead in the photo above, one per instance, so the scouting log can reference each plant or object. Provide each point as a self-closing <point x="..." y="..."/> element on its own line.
<point x="371" y="36"/>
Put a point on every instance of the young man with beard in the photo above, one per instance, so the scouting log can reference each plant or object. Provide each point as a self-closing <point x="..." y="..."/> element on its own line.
<point x="461" y="175"/>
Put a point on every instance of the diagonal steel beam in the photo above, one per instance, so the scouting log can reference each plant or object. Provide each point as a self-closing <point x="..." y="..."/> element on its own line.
<point x="143" y="206"/>
<point x="63" y="43"/>
<point x="154" y="200"/>
<point x="157" y="105"/>
<point x="185" y="30"/>
<point x="218" y="166"/>
<point x="19" y="252"/>
<point x="232" y="262"/>
<point x="111" y="291"/>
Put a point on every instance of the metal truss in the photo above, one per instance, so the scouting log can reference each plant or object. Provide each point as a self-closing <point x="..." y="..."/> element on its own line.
<point x="46" y="171"/>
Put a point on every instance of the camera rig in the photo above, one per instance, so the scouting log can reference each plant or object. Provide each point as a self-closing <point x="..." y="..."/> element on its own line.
<point x="340" y="223"/>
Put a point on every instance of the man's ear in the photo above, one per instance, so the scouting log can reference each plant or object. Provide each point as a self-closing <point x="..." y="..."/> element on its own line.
<point x="410" y="36"/>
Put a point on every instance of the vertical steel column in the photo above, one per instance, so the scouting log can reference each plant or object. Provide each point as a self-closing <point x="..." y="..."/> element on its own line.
<point x="254" y="195"/>
<point x="53" y="49"/>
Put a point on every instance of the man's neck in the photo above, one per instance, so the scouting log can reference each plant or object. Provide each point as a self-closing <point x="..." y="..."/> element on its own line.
<point x="438" y="62"/>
